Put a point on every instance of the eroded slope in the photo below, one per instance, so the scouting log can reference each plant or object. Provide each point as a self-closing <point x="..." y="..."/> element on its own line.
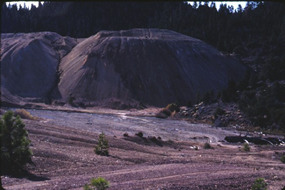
<point x="152" y="66"/>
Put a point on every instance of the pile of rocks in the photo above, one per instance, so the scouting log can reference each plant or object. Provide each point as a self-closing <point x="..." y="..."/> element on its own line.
<point x="218" y="114"/>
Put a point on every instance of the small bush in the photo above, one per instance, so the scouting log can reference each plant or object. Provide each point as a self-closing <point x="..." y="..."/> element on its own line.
<point x="282" y="159"/>
<point x="246" y="147"/>
<point x="259" y="184"/>
<point x="71" y="100"/>
<point x="139" y="134"/>
<point x="172" y="107"/>
<point x="126" y="135"/>
<point x="103" y="145"/>
<point x="155" y="140"/>
<point x="169" y="110"/>
<point x="97" y="184"/>
<point x="207" y="146"/>
<point x="24" y="114"/>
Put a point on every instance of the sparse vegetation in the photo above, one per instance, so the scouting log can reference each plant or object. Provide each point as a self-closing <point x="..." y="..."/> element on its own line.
<point x="24" y="114"/>
<point x="246" y="147"/>
<point x="71" y="99"/>
<point x="140" y="134"/>
<point x="156" y="140"/>
<point x="126" y="135"/>
<point x="172" y="107"/>
<point x="15" y="144"/>
<point x="207" y="146"/>
<point x="97" y="184"/>
<point x="102" y="148"/>
<point x="259" y="184"/>
<point x="169" y="110"/>
<point x="282" y="159"/>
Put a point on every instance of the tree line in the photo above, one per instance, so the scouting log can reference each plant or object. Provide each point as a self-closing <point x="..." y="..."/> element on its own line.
<point x="224" y="28"/>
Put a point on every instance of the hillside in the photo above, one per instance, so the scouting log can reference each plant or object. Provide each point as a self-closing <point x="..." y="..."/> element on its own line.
<point x="148" y="66"/>
<point x="29" y="63"/>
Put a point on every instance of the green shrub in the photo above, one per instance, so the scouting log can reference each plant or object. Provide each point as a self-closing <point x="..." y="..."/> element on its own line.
<point x="71" y="100"/>
<point x="282" y="159"/>
<point x="102" y="148"/>
<point x="126" y="135"/>
<point x="139" y="134"/>
<point x="259" y="184"/>
<point x="246" y="147"/>
<point x="207" y="146"/>
<point x="168" y="110"/>
<point x="15" y="151"/>
<point x="97" y="184"/>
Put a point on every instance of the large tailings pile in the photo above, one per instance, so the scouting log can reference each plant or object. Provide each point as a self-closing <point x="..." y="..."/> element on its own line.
<point x="29" y="63"/>
<point x="152" y="66"/>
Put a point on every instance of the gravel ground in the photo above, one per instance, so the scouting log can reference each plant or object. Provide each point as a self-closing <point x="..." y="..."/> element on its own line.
<point x="117" y="124"/>
<point x="63" y="145"/>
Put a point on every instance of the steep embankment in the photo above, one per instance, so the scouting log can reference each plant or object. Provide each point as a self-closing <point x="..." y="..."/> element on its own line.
<point x="29" y="63"/>
<point x="150" y="66"/>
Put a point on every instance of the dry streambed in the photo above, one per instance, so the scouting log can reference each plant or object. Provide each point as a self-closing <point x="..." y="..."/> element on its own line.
<point x="63" y="153"/>
<point x="117" y="124"/>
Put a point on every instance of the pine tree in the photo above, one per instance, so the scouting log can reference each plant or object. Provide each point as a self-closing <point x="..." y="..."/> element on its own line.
<point x="102" y="146"/>
<point x="15" y="151"/>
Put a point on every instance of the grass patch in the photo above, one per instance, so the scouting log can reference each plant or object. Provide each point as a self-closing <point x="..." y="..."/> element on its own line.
<point x="24" y="114"/>
<point x="98" y="184"/>
<point x="259" y="184"/>
<point x="282" y="159"/>
<point x="246" y="147"/>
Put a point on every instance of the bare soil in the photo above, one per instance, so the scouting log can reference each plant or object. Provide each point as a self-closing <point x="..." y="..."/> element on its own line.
<point x="64" y="155"/>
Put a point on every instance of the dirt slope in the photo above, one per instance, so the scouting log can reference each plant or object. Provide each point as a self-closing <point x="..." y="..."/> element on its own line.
<point x="152" y="66"/>
<point x="65" y="159"/>
<point x="29" y="62"/>
<point x="149" y="66"/>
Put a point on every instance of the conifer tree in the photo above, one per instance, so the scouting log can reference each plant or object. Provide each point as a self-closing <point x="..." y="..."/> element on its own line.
<point x="102" y="146"/>
<point x="15" y="151"/>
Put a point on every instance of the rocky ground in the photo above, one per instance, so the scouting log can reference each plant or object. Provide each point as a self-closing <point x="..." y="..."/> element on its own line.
<point x="217" y="114"/>
<point x="64" y="159"/>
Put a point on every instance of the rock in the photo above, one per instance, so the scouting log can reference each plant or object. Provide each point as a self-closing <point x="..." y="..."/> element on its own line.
<point x="255" y="140"/>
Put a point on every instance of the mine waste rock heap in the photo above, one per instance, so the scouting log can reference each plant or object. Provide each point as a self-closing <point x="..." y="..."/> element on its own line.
<point x="146" y="66"/>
